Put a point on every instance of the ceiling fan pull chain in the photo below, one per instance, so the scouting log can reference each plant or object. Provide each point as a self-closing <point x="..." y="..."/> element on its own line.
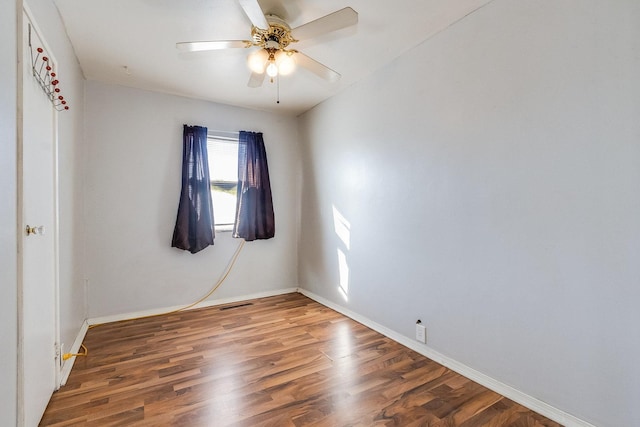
<point x="278" y="89"/>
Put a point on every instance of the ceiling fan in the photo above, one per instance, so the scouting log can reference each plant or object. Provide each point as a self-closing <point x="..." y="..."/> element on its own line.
<point x="273" y="36"/>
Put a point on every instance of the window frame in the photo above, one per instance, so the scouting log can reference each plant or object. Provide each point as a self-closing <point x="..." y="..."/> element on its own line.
<point x="222" y="137"/>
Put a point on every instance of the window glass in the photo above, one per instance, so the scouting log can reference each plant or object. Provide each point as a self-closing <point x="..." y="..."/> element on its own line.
<point x="223" y="172"/>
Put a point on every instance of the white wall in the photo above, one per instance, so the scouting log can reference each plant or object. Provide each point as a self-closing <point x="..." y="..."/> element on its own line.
<point x="70" y="181"/>
<point x="8" y="218"/>
<point x="133" y="183"/>
<point x="490" y="180"/>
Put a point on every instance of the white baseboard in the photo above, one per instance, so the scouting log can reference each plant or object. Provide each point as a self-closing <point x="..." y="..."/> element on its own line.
<point x="75" y="348"/>
<point x="524" y="399"/>
<point x="207" y="303"/>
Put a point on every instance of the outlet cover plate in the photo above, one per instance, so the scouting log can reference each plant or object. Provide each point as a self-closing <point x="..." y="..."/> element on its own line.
<point x="421" y="333"/>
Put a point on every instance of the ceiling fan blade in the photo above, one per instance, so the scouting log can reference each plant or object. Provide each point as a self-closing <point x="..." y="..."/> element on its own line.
<point x="317" y="68"/>
<point x="254" y="12"/>
<point x="334" y="21"/>
<point x="211" y="45"/>
<point x="256" y="79"/>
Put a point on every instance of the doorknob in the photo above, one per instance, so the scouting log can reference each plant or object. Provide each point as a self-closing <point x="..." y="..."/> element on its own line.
<point x="39" y="230"/>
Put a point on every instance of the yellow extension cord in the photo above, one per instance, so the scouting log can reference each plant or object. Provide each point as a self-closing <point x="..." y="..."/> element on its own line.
<point x="70" y="355"/>
<point x="215" y="287"/>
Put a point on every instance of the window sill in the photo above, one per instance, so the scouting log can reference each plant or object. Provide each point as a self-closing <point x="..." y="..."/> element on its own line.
<point x="224" y="228"/>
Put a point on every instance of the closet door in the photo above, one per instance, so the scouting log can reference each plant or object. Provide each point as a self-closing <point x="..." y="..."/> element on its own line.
<point x="39" y="297"/>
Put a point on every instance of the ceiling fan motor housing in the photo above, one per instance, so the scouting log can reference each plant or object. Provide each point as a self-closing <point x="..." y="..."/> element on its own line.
<point x="277" y="36"/>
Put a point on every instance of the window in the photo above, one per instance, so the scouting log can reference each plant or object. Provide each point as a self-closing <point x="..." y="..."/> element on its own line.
<point x="223" y="171"/>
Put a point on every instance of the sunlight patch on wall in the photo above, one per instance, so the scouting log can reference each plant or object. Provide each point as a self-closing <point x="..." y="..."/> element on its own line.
<point x="342" y="229"/>
<point x="343" y="268"/>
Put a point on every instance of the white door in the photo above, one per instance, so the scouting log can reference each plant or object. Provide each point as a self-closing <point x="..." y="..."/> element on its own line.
<point x="38" y="309"/>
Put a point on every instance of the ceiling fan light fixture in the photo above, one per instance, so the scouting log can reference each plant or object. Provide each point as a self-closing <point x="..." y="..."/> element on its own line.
<point x="257" y="61"/>
<point x="272" y="69"/>
<point x="285" y="62"/>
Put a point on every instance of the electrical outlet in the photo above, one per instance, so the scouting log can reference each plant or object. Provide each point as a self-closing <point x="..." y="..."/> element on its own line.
<point x="421" y="332"/>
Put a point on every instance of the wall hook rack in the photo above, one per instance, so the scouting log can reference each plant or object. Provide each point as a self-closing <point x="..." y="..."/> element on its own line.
<point x="44" y="72"/>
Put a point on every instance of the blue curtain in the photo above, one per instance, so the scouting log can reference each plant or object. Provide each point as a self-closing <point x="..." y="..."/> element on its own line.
<point x="254" y="206"/>
<point x="194" y="228"/>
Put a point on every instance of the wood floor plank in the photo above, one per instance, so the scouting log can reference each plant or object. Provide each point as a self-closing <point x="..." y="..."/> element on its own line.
<point x="283" y="361"/>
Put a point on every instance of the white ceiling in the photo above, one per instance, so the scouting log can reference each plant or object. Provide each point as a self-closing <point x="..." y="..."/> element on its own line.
<point x="109" y="35"/>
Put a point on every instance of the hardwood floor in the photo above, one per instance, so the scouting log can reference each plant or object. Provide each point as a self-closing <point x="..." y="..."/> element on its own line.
<point x="278" y="361"/>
